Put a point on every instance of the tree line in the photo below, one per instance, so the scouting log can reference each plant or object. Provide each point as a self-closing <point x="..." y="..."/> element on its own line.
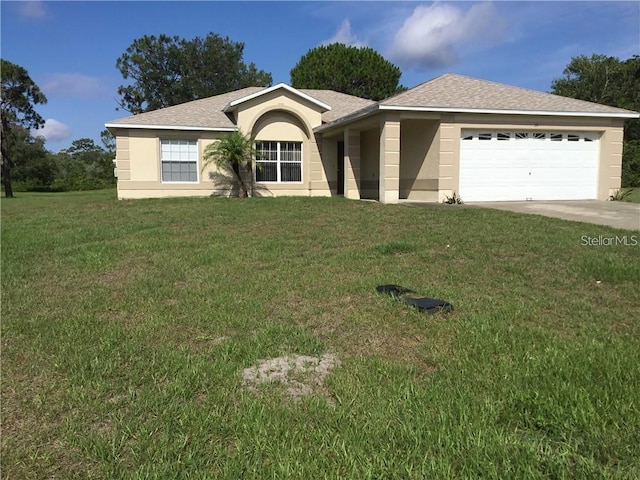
<point x="163" y="71"/>
<point x="83" y="166"/>
<point x="25" y="162"/>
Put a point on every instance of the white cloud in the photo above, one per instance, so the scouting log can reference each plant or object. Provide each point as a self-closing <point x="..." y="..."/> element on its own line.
<point x="53" y="131"/>
<point x="432" y="35"/>
<point x="32" y="9"/>
<point x="72" y="85"/>
<point x="346" y="36"/>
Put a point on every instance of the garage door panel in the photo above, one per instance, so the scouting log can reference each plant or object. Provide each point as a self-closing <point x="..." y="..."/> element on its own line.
<point x="564" y="192"/>
<point x="528" y="168"/>
<point x="562" y="175"/>
<point x="492" y="163"/>
<point x="558" y="160"/>
<point x="488" y="194"/>
<point x="490" y="176"/>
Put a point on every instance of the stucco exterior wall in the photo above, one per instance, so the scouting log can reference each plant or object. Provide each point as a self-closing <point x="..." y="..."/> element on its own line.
<point x="281" y="115"/>
<point x="352" y="177"/>
<point x="319" y="176"/>
<point x="138" y="164"/>
<point x="610" y="168"/>
<point x="419" y="159"/>
<point x="370" y="164"/>
<point x="278" y="116"/>
<point x="329" y="164"/>
<point x="390" y="133"/>
<point x="249" y="112"/>
<point x="449" y="164"/>
<point x="290" y="125"/>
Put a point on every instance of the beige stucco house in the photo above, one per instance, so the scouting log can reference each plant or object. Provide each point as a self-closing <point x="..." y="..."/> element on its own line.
<point x="481" y="140"/>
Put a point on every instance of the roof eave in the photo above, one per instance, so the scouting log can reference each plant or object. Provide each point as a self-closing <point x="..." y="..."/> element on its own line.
<point x="171" y="127"/>
<point x="629" y="114"/>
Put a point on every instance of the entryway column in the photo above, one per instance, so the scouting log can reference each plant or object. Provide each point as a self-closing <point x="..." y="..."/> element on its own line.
<point x="351" y="164"/>
<point x="389" y="184"/>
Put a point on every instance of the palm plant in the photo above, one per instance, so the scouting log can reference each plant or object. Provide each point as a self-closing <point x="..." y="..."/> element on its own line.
<point x="236" y="152"/>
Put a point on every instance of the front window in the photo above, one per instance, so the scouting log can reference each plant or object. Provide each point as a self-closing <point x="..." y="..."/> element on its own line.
<point x="279" y="161"/>
<point x="179" y="159"/>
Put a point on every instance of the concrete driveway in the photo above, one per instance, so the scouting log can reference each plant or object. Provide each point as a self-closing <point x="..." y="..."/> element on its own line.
<point x="614" y="214"/>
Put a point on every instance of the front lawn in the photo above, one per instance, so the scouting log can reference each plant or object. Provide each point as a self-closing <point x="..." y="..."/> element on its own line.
<point x="130" y="328"/>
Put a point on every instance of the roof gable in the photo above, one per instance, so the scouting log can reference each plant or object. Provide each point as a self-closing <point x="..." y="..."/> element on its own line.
<point x="280" y="86"/>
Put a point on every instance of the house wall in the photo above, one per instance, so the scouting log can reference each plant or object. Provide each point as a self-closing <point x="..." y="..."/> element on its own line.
<point x="610" y="132"/>
<point x="283" y="126"/>
<point x="610" y="176"/>
<point x="419" y="159"/>
<point x="320" y="172"/>
<point x="370" y="164"/>
<point x="390" y="134"/>
<point x="251" y="111"/>
<point x="329" y="162"/>
<point x="281" y="115"/>
<point x="278" y="115"/>
<point x="429" y="150"/>
<point x="138" y="164"/>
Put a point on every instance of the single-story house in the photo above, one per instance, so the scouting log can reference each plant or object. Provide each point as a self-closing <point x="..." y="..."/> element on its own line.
<point x="482" y="140"/>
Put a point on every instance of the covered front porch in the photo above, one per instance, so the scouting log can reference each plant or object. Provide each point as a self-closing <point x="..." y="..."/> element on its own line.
<point x="389" y="157"/>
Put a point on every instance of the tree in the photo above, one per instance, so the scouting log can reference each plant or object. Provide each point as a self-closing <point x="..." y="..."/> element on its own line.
<point x="362" y="72"/>
<point x="235" y="152"/>
<point x="19" y="94"/>
<point x="85" y="165"/>
<point x="169" y="70"/>
<point x="608" y="80"/>
<point x="108" y="141"/>
<point x="595" y="79"/>
<point x="33" y="167"/>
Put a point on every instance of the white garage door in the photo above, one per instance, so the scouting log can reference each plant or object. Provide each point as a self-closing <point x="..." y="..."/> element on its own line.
<point x="523" y="165"/>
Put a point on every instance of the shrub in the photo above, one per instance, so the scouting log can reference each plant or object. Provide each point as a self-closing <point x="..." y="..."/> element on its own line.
<point x="631" y="164"/>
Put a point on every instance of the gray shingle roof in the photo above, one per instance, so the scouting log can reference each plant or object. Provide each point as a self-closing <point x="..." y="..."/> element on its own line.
<point x="209" y="112"/>
<point x="203" y="113"/>
<point x="342" y="104"/>
<point x="448" y="92"/>
<point x="456" y="92"/>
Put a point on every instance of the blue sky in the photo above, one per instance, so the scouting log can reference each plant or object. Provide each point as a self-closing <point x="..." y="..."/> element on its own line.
<point x="70" y="48"/>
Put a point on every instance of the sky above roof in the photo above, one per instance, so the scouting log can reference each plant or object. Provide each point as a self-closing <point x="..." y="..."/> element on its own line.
<point x="70" y="48"/>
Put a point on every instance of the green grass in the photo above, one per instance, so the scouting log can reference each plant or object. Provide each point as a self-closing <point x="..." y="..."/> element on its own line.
<point x="634" y="196"/>
<point x="126" y="326"/>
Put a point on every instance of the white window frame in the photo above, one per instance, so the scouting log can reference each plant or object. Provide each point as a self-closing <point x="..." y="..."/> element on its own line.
<point x="197" y="160"/>
<point x="278" y="161"/>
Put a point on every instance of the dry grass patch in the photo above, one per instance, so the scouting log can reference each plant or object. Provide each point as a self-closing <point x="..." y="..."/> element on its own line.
<point x="300" y="375"/>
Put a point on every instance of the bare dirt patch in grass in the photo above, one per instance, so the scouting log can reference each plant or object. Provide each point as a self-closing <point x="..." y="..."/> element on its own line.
<point x="300" y="375"/>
